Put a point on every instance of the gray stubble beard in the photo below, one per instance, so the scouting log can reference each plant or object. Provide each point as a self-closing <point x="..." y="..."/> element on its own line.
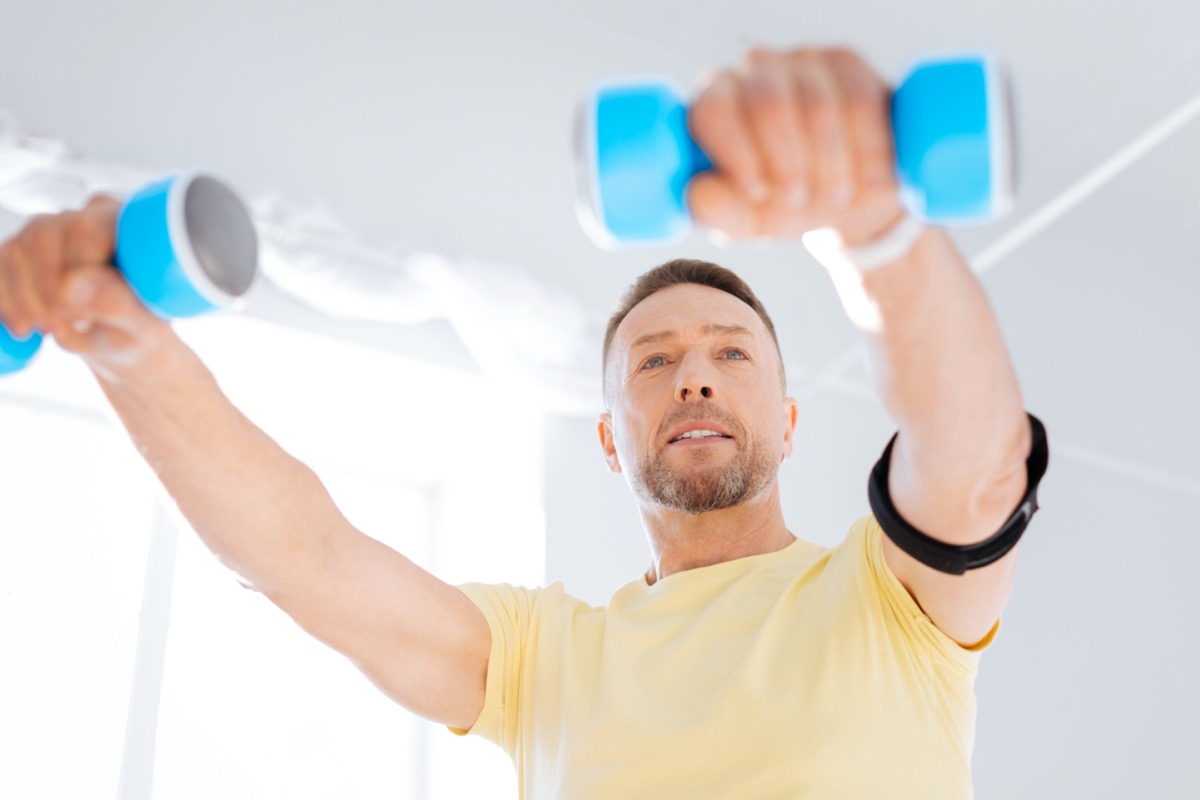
<point x="752" y="469"/>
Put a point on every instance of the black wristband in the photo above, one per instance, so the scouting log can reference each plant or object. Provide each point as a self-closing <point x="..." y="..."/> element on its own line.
<point x="957" y="559"/>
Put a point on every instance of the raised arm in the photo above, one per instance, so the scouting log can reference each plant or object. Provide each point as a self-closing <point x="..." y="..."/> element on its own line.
<point x="957" y="470"/>
<point x="262" y="512"/>
<point x="802" y="141"/>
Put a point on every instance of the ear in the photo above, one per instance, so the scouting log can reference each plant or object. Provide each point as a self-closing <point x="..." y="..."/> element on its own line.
<point x="791" y="413"/>
<point x="604" y="428"/>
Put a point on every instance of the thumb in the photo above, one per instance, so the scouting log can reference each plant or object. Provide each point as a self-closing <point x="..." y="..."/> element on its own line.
<point x="716" y="202"/>
<point x="100" y="296"/>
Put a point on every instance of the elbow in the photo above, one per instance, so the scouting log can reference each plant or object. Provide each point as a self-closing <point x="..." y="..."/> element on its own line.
<point x="1001" y="482"/>
<point x="966" y="499"/>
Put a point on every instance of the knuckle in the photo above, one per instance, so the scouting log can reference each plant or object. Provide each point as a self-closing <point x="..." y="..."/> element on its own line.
<point x="810" y="62"/>
<point x="844" y="56"/>
<point x="102" y="209"/>
<point x="80" y="226"/>
<point x="99" y="201"/>
<point x="712" y="107"/>
<point x="721" y="86"/>
<point x="760" y="55"/>
<point x="31" y="230"/>
<point x="852" y="67"/>
<point x="87" y="233"/>
<point x="39" y="238"/>
<point x="856" y="75"/>
<point x="804" y="55"/>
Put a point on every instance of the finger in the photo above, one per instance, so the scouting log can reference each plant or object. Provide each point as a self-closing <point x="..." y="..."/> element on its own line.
<point x="92" y="233"/>
<point x="868" y="116"/>
<point x="717" y="121"/>
<point x="76" y="320"/>
<point x="40" y="266"/>
<point x="716" y="201"/>
<point x="99" y="296"/>
<point x="781" y="218"/>
<point x="775" y="118"/>
<point x="87" y="339"/>
<point x="22" y="293"/>
<point x="89" y="245"/>
<point x="824" y="117"/>
<point x="7" y="312"/>
<point x="102" y="316"/>
<point x="74" y="338"/>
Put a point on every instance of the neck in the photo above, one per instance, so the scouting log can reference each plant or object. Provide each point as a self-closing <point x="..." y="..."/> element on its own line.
<point x="679" y="541"/>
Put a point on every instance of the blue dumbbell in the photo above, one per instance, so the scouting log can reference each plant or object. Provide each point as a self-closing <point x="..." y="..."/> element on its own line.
<point x="185" y="244"/>
<point x="950" y="120"/>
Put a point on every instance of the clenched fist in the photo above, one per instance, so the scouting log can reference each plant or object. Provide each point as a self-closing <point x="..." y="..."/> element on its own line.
<point x="56" y="276"/>
<point x="799" y="140"/>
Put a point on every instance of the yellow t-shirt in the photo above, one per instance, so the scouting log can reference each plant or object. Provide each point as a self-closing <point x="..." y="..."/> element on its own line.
<point x="805" y="673"/>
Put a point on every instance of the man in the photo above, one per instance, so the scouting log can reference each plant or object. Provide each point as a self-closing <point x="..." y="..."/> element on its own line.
<point x="745" y="663"/>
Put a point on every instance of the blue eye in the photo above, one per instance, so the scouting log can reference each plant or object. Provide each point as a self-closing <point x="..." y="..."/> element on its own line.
<point x="734" y="355"/>
<point x="654" y="361"/>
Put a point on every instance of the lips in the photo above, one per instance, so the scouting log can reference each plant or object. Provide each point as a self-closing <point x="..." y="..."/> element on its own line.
<point x="698" y="430"/>
<point x="701" y="435"/>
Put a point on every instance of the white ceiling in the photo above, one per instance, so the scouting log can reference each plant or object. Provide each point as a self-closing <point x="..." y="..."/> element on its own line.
<point x="445" y="126"/>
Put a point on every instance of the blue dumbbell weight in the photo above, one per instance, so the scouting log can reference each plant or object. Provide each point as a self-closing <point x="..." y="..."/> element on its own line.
<point x="185" y="244"/>
<point x="950" y="121"/>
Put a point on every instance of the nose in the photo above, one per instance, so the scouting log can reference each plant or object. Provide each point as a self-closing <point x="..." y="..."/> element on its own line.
<point x="686" y="392"/>
<point x="695" y="379"/>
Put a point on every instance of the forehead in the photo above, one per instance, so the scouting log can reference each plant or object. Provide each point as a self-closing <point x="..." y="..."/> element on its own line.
<point x="686" y="310"/>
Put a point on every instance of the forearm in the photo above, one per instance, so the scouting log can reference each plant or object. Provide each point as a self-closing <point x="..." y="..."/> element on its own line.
<point x="262" y="512"/>
<point x="939" y="364"/>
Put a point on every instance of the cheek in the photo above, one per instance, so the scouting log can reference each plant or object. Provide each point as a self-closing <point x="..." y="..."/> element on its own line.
<point x="773" y="425"/>
<point x="635" y="435"/>
<point x="626" y="432"/>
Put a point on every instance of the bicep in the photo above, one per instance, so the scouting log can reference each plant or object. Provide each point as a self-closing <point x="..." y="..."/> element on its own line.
<point x="417" y="638"/>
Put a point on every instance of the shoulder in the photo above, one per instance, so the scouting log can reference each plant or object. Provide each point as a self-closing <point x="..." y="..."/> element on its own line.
<point x="871" y="589"/>
<point x="509" y="604"/>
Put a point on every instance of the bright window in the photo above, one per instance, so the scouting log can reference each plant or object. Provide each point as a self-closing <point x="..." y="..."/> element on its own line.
<point x="75" y="513"/>
<point x="441" y="465"/>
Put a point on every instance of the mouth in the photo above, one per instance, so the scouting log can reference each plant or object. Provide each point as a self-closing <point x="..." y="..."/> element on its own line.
<point x="700" y="435"/>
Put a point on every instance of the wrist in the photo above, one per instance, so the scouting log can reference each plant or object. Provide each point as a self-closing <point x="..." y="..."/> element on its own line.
<point x="144" y="366"/>
<point x="838" y="251"/>
<point x="869" y="225"/>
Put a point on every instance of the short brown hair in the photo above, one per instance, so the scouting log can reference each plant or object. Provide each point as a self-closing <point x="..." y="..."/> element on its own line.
<point x="672" y="273"/>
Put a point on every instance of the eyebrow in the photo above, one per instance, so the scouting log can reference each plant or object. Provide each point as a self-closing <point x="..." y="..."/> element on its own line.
<point x="711" y="329"/>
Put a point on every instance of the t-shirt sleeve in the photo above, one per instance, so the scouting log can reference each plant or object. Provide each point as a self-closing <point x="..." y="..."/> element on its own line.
<point x="915" y="624"/>
<point x="508" y="611"/>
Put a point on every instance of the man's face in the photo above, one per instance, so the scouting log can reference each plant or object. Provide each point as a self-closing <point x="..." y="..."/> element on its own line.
<point x="698" y="421"/>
